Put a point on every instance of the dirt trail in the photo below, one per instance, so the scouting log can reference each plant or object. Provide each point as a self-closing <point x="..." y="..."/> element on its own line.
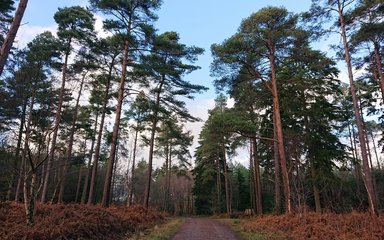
<point x="204" y="229"/>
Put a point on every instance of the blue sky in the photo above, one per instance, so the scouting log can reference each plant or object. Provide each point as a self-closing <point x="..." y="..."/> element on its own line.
<point x="199" y="22"/>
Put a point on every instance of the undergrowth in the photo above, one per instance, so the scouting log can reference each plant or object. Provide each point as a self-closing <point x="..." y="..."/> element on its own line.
<point x="74" y="221"/>
<point x="362" y="226"/>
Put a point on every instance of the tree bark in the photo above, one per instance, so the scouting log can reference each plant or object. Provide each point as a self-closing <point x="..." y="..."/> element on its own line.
<point x="89" y="168"/>
<point x="150" y="160"/>
<point x="357" y="165"/>
<point x="17" y="154"/>
<point x="79" y="183"/>
<point x="29" y="194"/>
<point x="379" y="66"/>
<point x="277" y="169"/>
<point x="218" y="184"/>
<point x="279" y="131"/>
<point x="227" y="200"/>
<point x="30" y="199"/>
<point x="115" y="134"/>
<point x="169" y="173"/>
<point x="367" y="172"/>
<point x="375" y="149"/>
<point x="167" y="205"/>
<point x="56" y="126"/>
<point x="152" y="143"/>
<point x="376" y="77"/>
<point x="11" y="35"/>
<point x="351" y="138"/>
<point x="316" y="192"/>
<point x="132" y="185"/>
<point x="70" y="144"/>
<point x="114" y="175"/>
<point x="257" y="179"/>
<point x="252" y="175"/>
<point x="100" y="134"/>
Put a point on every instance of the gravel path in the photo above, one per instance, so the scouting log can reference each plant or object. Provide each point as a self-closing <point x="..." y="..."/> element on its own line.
<point x="204" y="229"/>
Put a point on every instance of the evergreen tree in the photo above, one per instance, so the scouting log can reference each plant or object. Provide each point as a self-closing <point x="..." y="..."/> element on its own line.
<point x="75" y="25"/>
<point x="262" y="41"/>
<point x="132" y="19"/>
<point x="324" y="8"/>
<point x="163" y="71"/>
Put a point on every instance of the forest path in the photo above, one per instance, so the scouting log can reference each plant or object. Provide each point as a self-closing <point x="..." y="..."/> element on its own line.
<point x="204" y="229"/>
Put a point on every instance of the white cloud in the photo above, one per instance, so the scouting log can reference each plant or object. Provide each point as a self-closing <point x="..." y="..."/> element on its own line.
<point x="27" y="33"/>
<point x="99" y="27"/>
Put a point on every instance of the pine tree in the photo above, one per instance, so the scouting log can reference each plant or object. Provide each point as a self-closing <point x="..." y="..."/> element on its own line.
<point x="340" y="7"/>
<point x="262" y="40"/>
<point x="75" y="24"/>
<point x="163" y="71"/>
<point x="132" y="19"/>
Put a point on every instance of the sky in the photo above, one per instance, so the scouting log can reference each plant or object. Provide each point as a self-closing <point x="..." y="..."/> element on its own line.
<point x="198" y="22"/>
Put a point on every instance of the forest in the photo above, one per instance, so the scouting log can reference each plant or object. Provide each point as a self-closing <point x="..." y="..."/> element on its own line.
<point x="77" y="107"/>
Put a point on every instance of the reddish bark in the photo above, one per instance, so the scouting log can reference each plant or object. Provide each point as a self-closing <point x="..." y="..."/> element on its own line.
<point x="11" y="35"/>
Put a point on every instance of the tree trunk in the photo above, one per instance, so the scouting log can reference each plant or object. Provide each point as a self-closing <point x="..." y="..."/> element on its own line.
<point x="376" y="77"/>
<point x="279" y="131"/>
<point x="357" y="166"/>
<point x="218" y="184"/>
<point x="379" y="66"/>
<point x="256" y="167"/>
<point x="11" y="35"/>
<point x="29" y="194"/>
<point x="100" y="134"/>
<point x="17" y="154"/>
<point x="89" y="168"/>
<point x="150" y="160"/>
<point x="115" y="134"/>
<point x="68" y="156"/>
<point x="375" y="149"/>
<point x="79" y="183"/>
<point x="114" y="174"/>
<point x="252" y="175"/>
<point x="152" y="144"/>
<point x="316" y="192"/>
<point x="351" y="138"/>
<point x="227" y="201"/>
<point x="132" y="185"/>
<point x="56" y="127"/>
<point x="367" y="172"/>
<point x="30" y="199"/>
<point x="277" y="170"/>
<point x="167" y="172"/>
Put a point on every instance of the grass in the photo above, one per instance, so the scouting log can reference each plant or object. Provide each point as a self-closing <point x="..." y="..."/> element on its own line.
<point x="164" y="231"/>
<point x="237" y="227"/>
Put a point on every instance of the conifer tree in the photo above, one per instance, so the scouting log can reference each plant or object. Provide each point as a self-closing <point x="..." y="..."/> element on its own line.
<point x="75" y="25"/>
<point x="163" y="72"/>
<point x="132" y="19"/>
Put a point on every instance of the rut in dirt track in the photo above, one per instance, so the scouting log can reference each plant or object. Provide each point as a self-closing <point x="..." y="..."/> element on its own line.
<point x="204" y="229"/>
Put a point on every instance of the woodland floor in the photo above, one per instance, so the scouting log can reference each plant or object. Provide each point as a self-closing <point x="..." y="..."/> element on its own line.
<point x="75" y="221"/>
<point x="362" y="226"/>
